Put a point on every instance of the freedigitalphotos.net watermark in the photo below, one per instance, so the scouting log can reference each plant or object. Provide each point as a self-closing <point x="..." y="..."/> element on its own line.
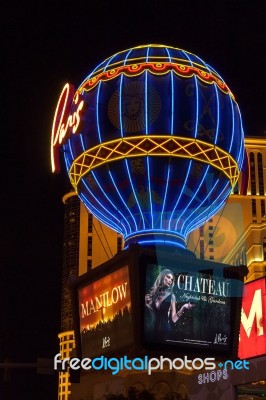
<point x="144" y="364"/>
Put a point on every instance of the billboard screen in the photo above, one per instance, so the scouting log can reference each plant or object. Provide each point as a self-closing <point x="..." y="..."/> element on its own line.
<point x="252" y="341"/>
<point x="105" y="314"/>
<point x="192" y="309"/>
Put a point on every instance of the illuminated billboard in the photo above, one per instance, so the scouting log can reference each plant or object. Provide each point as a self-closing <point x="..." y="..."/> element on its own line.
<point x="159" y="302"/>
<point x="191" y="306"/>
<point x="105" y="313"/>
<point x="252" y="341"/>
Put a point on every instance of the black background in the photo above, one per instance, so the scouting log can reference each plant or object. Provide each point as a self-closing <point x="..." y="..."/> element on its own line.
<point x="44" y="45"/>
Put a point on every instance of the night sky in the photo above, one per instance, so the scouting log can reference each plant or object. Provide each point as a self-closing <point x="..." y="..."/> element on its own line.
<point x="46" y="44"/>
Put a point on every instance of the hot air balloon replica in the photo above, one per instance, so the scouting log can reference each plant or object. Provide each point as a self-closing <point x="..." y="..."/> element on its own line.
<point x="153" y="143"/>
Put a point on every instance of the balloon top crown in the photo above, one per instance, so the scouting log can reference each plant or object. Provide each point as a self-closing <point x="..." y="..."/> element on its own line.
<point x="159" y="57"/>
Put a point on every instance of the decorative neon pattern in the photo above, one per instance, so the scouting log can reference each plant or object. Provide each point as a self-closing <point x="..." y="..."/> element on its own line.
<point x="156" y="68"/>
<point x="97" y="106"/>
<point x="95" y="211"/>
<point x="196" y="209"/>
<point x="97" y="113"/>
<point x="201" y="216"/>
<point x="179" y="197"/>
<point x="165" y="193"/>
<point x="147" y="133"/>
<point x="154" y="145"/>
<point x="162" y="242"/>
<point x="126" y="161"/>
<point x="158" y="236"/>
<point x="111" y="202"/>
<point x="181" y="194"/>
<point x="193" y="197"/>
<point x="158" y="232"/>
<point x="172" y="95"/>
<point x="233" y="125"/>
<point x="100" y="206"/>
<point x="123" y="201"/>
<point x="241" y="152"/>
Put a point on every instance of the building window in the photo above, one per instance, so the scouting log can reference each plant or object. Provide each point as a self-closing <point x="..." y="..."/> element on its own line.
<point x="237" y="260"/>
<point x="90" y="223"/>
<point x="260" y="174"/>
<point x="244" y="256"/>
<point x="202" y="249"/>
<point x="264" y="249"/>
<point x="89" y="246"/>
<point x="119" y="244"/>
<point x="235" y="190"/>
<point x="254" y="208"/>
<point x="72" y="216"/>
<point x="262" y="202"/>
<point x="211" y="257"/>
<point x="89" y="264"/>
<point x="252" y="173"/>
<point x="201" y="231"/>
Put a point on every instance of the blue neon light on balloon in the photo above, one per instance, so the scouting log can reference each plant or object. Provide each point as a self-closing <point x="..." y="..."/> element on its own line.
<point x="104" y="193"/>
<point x="150" y="194"/>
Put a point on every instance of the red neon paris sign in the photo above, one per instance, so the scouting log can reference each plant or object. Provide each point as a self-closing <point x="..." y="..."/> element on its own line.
<point x="64" y="123"/>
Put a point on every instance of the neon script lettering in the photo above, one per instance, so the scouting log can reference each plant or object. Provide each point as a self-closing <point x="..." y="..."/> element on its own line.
<point x="64" y="123"/>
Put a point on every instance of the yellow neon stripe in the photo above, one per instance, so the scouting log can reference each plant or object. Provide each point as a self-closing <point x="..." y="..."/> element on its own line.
<point x="154" y="146"/>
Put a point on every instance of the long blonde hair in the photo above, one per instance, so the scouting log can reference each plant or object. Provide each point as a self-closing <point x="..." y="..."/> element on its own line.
<point x="158" y="288"/>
